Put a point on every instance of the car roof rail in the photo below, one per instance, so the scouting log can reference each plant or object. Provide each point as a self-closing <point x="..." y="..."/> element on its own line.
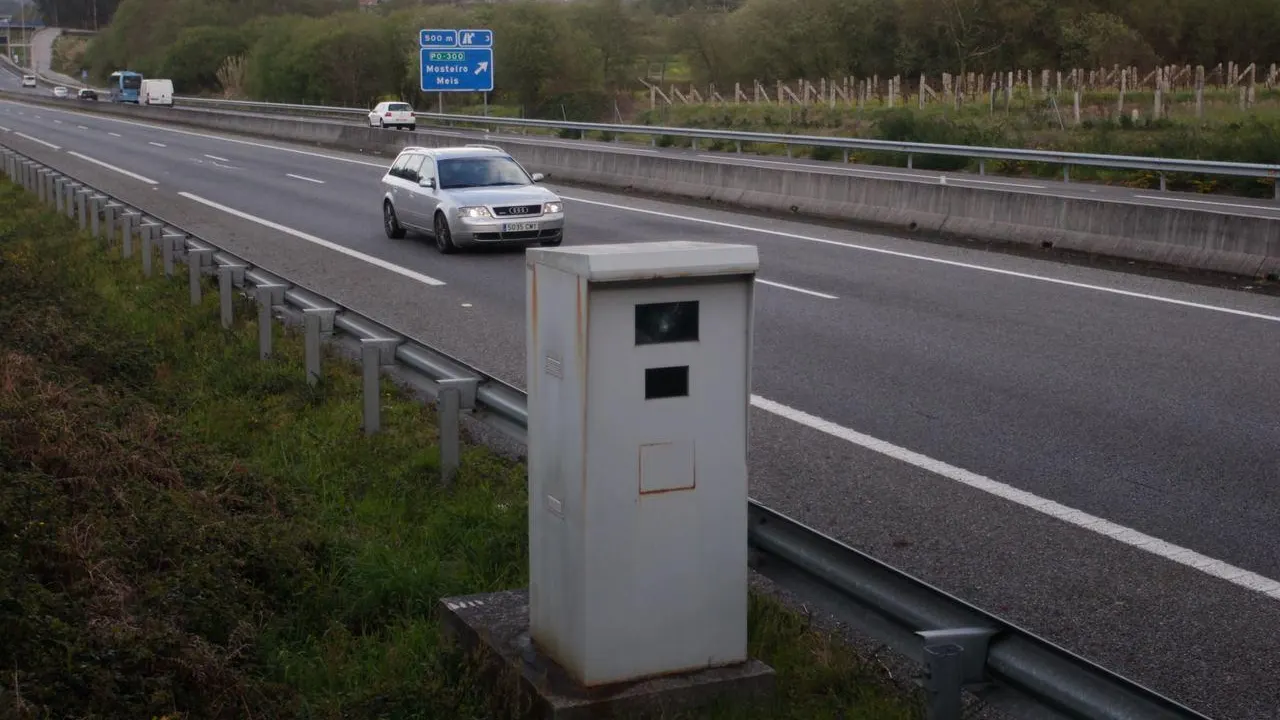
<point x="487" y="147"/>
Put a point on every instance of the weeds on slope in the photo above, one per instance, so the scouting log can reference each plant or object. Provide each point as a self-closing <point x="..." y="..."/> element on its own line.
<point x="188" y="532"/>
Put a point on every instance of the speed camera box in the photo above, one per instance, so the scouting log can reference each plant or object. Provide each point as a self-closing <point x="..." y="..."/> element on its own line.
<point x="639" y="373"/>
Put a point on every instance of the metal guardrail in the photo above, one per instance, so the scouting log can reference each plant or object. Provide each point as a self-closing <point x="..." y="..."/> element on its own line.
<point x="1065" y="159"/>
<point x="959" y="645"/>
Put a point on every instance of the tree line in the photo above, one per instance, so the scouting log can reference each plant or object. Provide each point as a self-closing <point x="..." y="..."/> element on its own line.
<point x="576" y="59"/>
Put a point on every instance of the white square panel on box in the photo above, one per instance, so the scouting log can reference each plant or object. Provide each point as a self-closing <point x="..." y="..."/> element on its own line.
<point x="639" y="375"/>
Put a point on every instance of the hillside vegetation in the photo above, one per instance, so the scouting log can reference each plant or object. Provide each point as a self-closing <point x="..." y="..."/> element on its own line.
<point x="325" y="50"/>
<point x="585" y="60"/>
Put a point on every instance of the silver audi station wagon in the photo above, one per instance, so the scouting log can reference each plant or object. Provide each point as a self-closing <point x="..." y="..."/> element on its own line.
<point x="468" y="196"/>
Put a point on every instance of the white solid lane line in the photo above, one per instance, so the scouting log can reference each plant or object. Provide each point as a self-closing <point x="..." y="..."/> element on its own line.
<point x="1155" y="546"/>
<point x="5" y="129"/>
<point x="303" y="177"/>
<point x="379" y="262"/>
<point x="109" y="166"/>
<point x="82" y="127"/>
<point x="219" y="159"/>
<point x="940" y="261"/>
<point x="157" y="144"/>
<point x="1259" y="208"/>
<point x="115" y="134"/>
<point x="793" y="288"/>
<point x="38" y="140"/>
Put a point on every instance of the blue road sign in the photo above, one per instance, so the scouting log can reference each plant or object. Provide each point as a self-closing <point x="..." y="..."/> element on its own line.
<point x="457" y="70"/>
<point x="475" y="38"/>
<point x="438" y="38"/>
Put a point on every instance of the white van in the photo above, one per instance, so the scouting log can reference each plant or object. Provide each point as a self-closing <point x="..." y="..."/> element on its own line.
<point x="156" y="91"/>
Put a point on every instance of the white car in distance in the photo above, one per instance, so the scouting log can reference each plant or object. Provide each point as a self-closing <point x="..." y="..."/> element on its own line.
<point x="28" y="81"/>
<point x="60" y="92"/>
<point x="393" y="115"/>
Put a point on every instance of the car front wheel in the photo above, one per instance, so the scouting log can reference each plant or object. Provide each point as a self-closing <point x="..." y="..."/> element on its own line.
<point x="444" y="239"/>
<point x="390" y="223"/>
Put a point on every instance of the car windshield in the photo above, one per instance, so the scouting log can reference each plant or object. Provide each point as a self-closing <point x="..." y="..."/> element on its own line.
<point x="481" y="172"/>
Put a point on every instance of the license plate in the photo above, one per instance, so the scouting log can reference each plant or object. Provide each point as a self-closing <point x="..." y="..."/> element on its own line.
<point x="519" y="227"/>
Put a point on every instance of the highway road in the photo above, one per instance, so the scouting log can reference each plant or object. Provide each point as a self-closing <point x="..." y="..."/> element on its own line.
<point x="1092" y="455"/>
<point x="1218" y="203"/>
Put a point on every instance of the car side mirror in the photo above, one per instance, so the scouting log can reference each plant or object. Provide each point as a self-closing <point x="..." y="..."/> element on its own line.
<point x="539" y="177"/>
<point x="427" y="182"/>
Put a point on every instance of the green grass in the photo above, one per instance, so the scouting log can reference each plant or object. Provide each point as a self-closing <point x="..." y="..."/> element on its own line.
<point x="190" y="532"/>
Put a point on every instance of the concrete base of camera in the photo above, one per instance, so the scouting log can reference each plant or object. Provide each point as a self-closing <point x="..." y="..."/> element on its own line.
<point x="494" y="627"/>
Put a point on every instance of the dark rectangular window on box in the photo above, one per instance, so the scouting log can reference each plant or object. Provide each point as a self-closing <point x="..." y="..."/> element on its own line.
<point x="666" y="382"/>
<point x="668" y="322"/>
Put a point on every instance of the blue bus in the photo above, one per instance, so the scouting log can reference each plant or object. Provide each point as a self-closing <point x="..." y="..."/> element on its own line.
<point x="123" y="86"/>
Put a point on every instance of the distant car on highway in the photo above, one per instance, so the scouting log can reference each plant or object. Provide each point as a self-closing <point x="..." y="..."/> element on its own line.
<point x="59" y="92"/>
<point x="393" y="115"/>
<point x="87" y="94"/>
<point x="28" y="81"/>
<point x="468" y="196"/>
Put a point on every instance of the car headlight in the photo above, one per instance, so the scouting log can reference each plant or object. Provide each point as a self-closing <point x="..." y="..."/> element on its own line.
<point x="553" y="207"/>
<point x="474" y="212"/>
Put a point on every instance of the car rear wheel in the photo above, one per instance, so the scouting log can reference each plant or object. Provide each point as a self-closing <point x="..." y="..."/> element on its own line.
<point x="444" y="239"/>
<point x="390" y="223"/>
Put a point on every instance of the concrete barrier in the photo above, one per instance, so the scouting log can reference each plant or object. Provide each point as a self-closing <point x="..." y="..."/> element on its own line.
<point x="1186" y="238"/>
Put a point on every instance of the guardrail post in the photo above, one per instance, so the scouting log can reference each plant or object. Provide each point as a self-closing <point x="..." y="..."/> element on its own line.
<point x="128" y="220"/>
<point x="110" y="216"/>
<point x="269" y="296"/>
<point x="953" y="658"/>
<point x="374" y="353"/>
<point x="196" y="262"/>
<point x="942" y="680"/>
<point x="1163" y="187"/>
<point x="982" y="167"/>
<point x="69" y="190"/>
<point x="96" y="203"/>
<point x="228" y="275"/>
<point x="82" y="207"/>
<point x="454" y="396"/>
<point x="1066" y="173"/>
<point x="693" y="143"/>
<point x="910" y="161"/>
<point x="317" y="322"/>
<point x="147" y="234"/>
<point x="58" y="184"/>
<point x="46" y="185"/>
<point x="170" y="243"/>
<point x="28" y="171"/>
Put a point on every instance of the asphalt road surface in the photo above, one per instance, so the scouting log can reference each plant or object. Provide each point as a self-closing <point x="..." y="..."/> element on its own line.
<point x="1217" y="203"/>
<point x="1093" y="455"/>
